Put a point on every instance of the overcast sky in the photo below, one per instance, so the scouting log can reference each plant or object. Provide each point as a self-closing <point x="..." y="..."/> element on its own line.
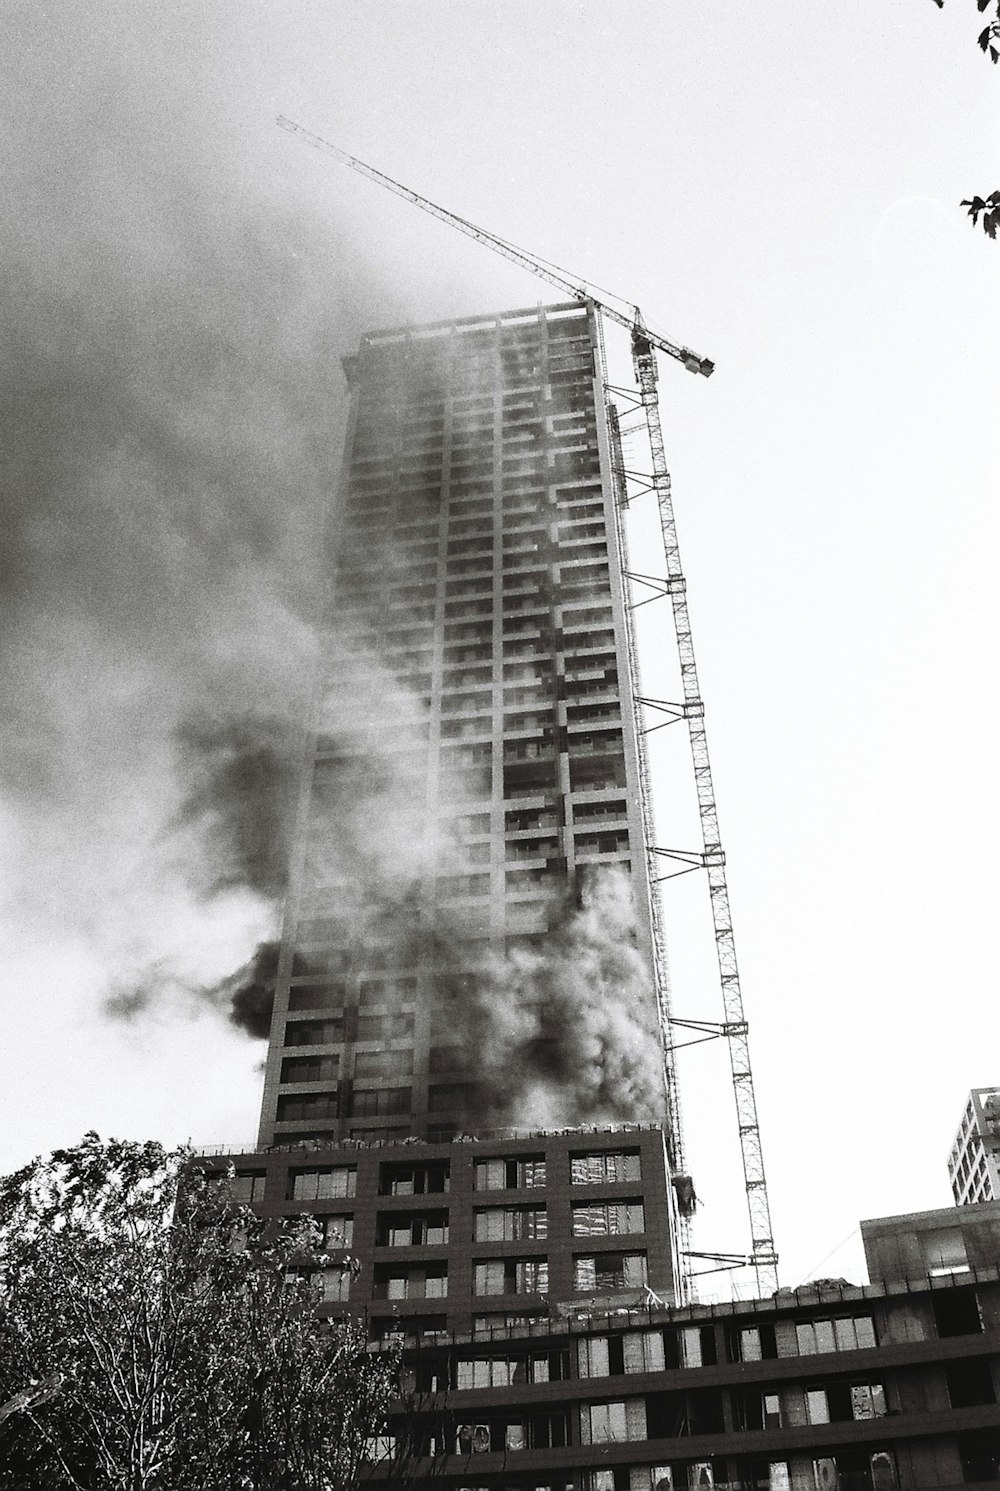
<point x="778" y="188"/>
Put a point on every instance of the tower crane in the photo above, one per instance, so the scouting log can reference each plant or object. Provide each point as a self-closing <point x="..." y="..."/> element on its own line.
<point x="576" y="290"/>
<point x="645" y="344"/>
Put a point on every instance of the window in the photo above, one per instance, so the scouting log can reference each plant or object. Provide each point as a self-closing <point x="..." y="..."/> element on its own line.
<point x="840" y="1402"/>
<point x="310" y="1069"/>
<point x="943" y="1251"/>
<point x="314" y="1106"/>
<point x="409" y="1231"/>
<point x="334" y="1284"/>
<point x="855" y="1470"/>
<point x="510" y="1174"/>
<point x="338" y="1229"/>
<point x="604" y="1271"/>
<point x="506" y="1371"/>
<point x="867" y="1401"/>
<point x="511" y="1276"/>
<point x="383" y="1063"/>
<point x="979" y="1452"/>
<point x="390" y="1027"/>
<point x="319" y="1185"/>
<point x="428" y="1281"/>
<point x="608" y="1165"/>
<point x="314" y="1032"/>
<point x="413" y="1180"/>
<point x="642" y="1351"/>
<point x="510" y="1223"/>
<point x="608" y="1218"/>
<point x="593" y="1357"/>
<point x="844" y="1334"/>
<point x="956" y="1312"/>
<point x="752" y="1343"/>
<point x="969" y="1383"/>
<point x="755" y="1409"/>
<point x="487" y="1326"/>
<point x="607" y="1423"/>
<point x="247" y="1186"/>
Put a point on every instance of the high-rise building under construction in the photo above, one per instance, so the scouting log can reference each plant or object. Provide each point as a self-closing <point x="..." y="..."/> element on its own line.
<point x="470" y="948"/>
<point x="474" y="783"/>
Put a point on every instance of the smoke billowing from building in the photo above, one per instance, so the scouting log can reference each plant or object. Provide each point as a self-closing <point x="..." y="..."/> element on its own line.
<point x="562" y="1035"/>
<point x="170" y="391"/>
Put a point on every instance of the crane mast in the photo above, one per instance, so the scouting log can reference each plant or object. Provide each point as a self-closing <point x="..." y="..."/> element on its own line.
<point x="645" y="344"/>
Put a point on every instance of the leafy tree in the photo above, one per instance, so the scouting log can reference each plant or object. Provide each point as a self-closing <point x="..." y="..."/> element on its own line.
<point x="989" y="42"/>
<point x="154" y="1335"/>
<point x="989" y="207"/>
<point x="989" y="38"/>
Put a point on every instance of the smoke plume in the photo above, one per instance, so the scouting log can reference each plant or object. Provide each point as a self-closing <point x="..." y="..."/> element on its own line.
<point x="565" y="1033"/>
<point x="170" y="392"/>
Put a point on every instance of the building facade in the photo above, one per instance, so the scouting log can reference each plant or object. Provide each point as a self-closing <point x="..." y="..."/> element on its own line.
<point x="974" y="1162"/>
<point x="574" y="1380"/>
<point x="830" y="1387"/>
<point x="466" y="1079"/>
<point x="474" y="758"/>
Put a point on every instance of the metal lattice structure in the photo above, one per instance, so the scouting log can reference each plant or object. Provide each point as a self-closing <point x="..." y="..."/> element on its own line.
<point x="710" y="857"/>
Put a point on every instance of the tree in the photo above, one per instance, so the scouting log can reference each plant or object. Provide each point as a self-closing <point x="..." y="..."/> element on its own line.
<point x="989" y="42"/>
<point x="155" y="1335"/>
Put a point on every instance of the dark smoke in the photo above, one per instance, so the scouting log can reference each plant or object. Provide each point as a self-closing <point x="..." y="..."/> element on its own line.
<point x="170" y="394"/>
<point x="564" y="1032"/>
<point x="241" y="777"/>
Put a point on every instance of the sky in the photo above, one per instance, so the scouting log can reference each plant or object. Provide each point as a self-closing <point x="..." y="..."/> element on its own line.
<point x="778" y="191"/>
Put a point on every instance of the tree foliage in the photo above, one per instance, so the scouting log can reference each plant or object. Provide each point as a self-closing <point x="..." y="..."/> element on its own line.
<point x="989" y="38"/>
<point x="989" y="43"/>
<point x="989" y="207"/>
<point x="154" y="1335"/>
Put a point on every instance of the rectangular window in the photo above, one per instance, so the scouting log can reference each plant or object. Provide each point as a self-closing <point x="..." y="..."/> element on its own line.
<point x="956" y="1312"/>
<point x="381" y="1101"/>
<point x="314" y="1032"/>
<point x="313" y="1106"/>
<point x="608" y="1218"/>
<point x="817" y="1409"/>
<point x="611" y="1423"/>
<point x="338" y="1230"/>
<point x="383" y="1063"/>
<point x="413" y="1180"/>
<point x="593" y="1357"/>
<point x="427" y="1282"/>
<point x="643" y="1351"/>
<point x="319" y="1185"/>
<point x="390" y="1027"/>
<point x="511" y="1276"/>
<point x="510" y="1223"/>
<point x="405" y="1231"/>
<point x="310" y="1069"/>
<point x="247" y="1186"/>
<point x="510" y="1174"/>
<point x="609" y="1271"/>
<point x="334" y="1284"/>
<point x="844" y="1334"/>
<point x="607" y="1165"/>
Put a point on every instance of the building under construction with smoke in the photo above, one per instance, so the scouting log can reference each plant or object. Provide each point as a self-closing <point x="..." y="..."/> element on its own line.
<point x="470" y="943"/>
<point x="469" y="1084"/>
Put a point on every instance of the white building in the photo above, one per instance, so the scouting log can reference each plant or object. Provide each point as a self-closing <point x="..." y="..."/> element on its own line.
<point x="974" y="1162"/>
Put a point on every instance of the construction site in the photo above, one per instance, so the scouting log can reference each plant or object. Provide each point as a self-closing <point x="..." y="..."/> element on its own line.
<point x="473" y="1074"/>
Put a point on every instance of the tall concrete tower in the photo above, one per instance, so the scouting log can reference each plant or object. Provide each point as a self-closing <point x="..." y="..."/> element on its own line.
<point x="466" y="1082"/>
<point x="469" y="938"/>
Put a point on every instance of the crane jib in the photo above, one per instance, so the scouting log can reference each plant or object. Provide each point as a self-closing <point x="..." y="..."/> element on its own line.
<point x="561" y="279"/>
